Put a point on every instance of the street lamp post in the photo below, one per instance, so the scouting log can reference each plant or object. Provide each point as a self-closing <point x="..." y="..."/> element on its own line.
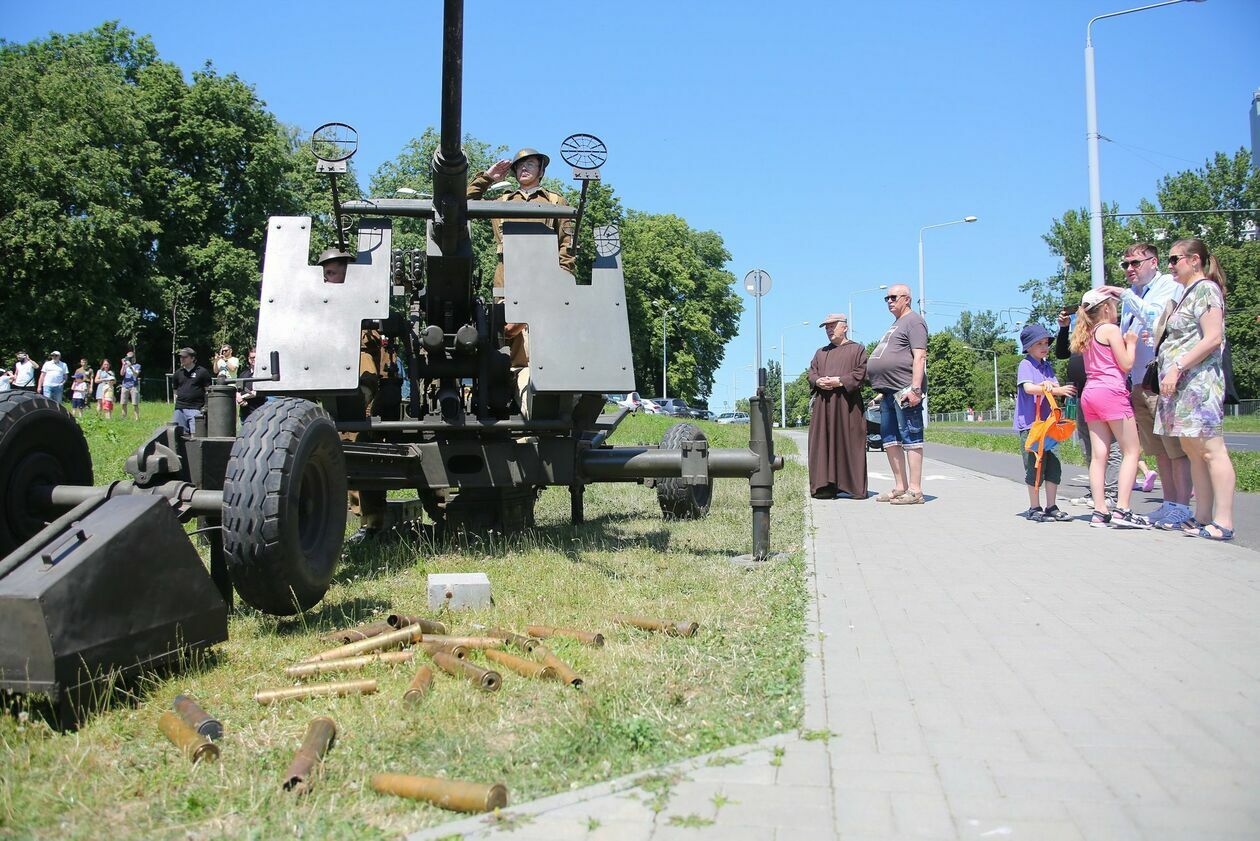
<point x="922" y="293"/>
<point x="859" y="292"/>
<point x="783" y="380"/>
<point x="996" y="411"/>
<point x="1096" y="274"/>
<point x="665" y="310"/>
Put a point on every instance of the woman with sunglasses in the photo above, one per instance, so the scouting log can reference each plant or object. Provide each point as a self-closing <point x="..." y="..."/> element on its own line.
<point x="1192" y="387"/>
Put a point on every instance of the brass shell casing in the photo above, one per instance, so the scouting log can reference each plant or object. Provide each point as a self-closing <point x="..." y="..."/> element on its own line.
<point x="194" y="745"/>
<point x="545" y="631"/>
<point x="347" y="664"/>
<point x="315" y="690"/>
<point x="403" y="636"/>
<point x="429" y="626"/>
<point x="431" y="645"/>
<point x="670" y="627"/>
<point x="359" y="632"/>
<point x="197" y="718"/>
<point x="468" y="642"/>
<point x="455" y="795"/>
<point x="526" y="644"/>
<point x="528" y="668"/>
<point x="321" y="733"/>
<point x="564" y="672"/>
<point x="419" y="686"/>
<point x="484" y="678"/>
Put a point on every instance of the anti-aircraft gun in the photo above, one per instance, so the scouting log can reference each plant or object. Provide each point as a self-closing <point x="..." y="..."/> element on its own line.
<point x="114" y="585"/>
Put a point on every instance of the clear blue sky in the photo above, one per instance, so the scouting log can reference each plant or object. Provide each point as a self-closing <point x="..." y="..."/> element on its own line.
<point x="816" y="137"/>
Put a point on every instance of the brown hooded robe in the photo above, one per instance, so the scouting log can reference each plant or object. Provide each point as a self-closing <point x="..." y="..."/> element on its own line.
<point x="837" y="427"/>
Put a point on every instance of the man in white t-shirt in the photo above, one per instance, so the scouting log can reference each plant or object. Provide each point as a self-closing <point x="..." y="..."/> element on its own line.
<point x="52" y="377"/>
<point x="25" y="372"/>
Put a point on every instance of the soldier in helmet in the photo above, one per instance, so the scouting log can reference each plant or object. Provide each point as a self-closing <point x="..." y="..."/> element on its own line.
<point x="381" y="390"/>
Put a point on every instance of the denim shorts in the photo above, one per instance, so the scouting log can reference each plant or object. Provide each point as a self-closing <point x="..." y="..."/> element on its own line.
<point x="898" y="425"/>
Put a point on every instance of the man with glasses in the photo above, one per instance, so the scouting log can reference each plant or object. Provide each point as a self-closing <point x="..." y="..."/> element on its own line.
<point x="1144" y="303"/>
<point x="246" y="398"/>
<point x="897" y="369"/>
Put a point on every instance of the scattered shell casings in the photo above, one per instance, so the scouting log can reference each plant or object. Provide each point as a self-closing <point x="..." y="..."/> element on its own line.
<point x="309" y="760"/>
<point x="526" y="644"/>
<point x="315" y="690"/>
<point x="197" y="718"/>
<point x="419" y="687"/>
<point x="403" y="636"/>
<point x="484" y="678"/>
<point x="194" y="745"/>
<point x="564" y="673"/>
<point x="455" y="795"/>
<point x="431" y="645"/>
<point x="544" y="631"/>
<point x="468" y="642"/>
<point x="359" y="632"/>
<point x="665" y="626"/>
<point x="348" y="664"/>
<point x="429" y="626"/>
<point x="528" y="668"/>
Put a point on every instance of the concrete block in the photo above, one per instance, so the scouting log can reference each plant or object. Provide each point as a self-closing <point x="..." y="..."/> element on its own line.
<point x="459" y="590"/>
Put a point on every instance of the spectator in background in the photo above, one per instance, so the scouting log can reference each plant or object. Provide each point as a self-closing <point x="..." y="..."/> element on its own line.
<point x="78" y="394"/>
<point x="246" y="398"/>
<point x="1035" y="379"/>
<point x="129" y="388"/>
<point x="897" y="369"/>
<point x="225" y="364"/>
<point x="25" y="372"/>
<point x="6" y="380"/>
<point x="85" y="368"/>
<point x="105" y="380"/>
<point x="1076" y="376"/>
<point x="53" y="376"/>
<point x="837" y="429"/>
<point x="190" y="381"/>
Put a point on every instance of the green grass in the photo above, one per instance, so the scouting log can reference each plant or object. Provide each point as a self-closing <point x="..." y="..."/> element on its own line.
<point x="1246" y="462"/>
<point x="648" y="699"/>
<point x="1233" y="423"/>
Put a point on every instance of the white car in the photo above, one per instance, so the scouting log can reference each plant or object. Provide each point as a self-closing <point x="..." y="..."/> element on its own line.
<point x="632" y="402"/>
<point x="733" y="417"/>
<point x="650" y="407"/>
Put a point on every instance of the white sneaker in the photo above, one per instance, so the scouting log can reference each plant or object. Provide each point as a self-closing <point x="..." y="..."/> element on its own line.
<point x="1086" y="501"/>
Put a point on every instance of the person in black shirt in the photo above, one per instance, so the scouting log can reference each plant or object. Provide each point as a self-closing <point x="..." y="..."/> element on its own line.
<point x="190" y="381"/>
<point x="248" y="399"/>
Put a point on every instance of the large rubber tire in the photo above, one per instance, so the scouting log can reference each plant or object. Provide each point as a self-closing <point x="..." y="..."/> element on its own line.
<point x="284" y="506"/>
<point x="40" y="444"/>
<point x="680" y="501"/>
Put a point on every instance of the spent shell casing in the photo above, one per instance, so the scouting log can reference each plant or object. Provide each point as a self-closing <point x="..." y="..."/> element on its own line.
<point x="419" y="686"/>
<point x="469" y="642"/>
<point x="348" y="664"/>
<point x="316" y="690"/>
<point x="309" y="760"/>
<point x="429" y="626"/>
<point x="564" y="673"/>
<point x="484" y="678"/>
<point x="456" y="795"/>
<point x="197" y="718"/>
<point x="673" y="628"/>
<point x="194" y="745"/>
<point x="519" y="641"/>
<point x="528" y="668"/>
<point x="430" y="645"/>
<point x="359" y="632"/>
<point x="545" y="631"/>
<point x="403" y="636"/>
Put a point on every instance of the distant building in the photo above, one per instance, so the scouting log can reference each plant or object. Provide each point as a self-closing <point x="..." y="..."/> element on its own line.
<point x="1255" y="129"/>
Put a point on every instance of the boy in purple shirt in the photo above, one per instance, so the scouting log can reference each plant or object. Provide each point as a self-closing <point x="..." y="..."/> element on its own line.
<point x="1035" y="378"/>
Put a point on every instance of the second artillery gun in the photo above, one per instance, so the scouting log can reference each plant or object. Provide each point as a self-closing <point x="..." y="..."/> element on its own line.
<point x="271" y="496"/>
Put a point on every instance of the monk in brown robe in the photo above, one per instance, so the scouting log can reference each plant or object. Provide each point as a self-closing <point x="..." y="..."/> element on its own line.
<point x="837" y="427"/>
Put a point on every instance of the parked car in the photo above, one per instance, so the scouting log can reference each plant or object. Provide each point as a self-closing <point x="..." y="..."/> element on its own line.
<point x="649" y="407"/>
<point x="733" y="417"/>
<point x="702" y="414"/>
<point x="675" y="406"/>
<point x="631" y="401"/>
<point x="874" y="441"/>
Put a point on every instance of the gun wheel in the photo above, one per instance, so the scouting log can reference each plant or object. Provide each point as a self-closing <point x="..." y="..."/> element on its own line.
<point x="284" y="506"/>
<point x="680" y="501"/>
<point x="40" y="446"/>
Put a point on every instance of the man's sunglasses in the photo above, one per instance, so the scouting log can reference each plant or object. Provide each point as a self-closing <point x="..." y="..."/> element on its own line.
<point x="1133" y="264"/>
<point x="891" y="298"/>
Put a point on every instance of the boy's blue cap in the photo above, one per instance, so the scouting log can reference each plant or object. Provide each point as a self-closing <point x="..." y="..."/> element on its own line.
<point x="1031" y="334"/>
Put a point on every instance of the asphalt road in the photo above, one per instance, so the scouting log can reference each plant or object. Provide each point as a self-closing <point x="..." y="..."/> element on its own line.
<point x="1075" y="483"/>
<point x="1233" y="440"/>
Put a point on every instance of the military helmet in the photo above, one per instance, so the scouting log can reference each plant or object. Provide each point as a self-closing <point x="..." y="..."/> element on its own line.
<point x="527" y="152"/>
<point x="330" y="254"/>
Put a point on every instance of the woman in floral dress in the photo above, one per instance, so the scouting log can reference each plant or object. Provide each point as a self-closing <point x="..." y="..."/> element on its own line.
<point x="1192" y="387"/>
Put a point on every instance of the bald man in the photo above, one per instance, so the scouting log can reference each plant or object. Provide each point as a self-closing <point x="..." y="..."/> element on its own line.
<point x="897" y="369"/>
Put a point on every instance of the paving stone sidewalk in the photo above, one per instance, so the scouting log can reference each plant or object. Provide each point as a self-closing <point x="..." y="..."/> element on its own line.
<point x="974" y="675"/>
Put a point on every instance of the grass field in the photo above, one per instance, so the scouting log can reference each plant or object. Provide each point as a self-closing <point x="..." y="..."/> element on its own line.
<point x="1233" y="423"/>
<point x="648" y="699"/>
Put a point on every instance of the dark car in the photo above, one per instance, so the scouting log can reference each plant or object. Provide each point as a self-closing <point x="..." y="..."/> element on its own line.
<point x="675" y="406"/>
<point x="874" y="441"/>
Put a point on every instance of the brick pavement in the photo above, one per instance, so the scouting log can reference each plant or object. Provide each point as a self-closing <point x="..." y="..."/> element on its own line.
<point x="973" y="675"/>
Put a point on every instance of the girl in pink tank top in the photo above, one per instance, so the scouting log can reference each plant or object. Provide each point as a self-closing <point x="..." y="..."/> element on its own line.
<point x="1105" y="403"/>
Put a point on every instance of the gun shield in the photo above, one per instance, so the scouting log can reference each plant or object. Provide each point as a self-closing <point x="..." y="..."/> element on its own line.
<point x="194" y="745"/>
<point x="428" y="626"/>
<point x="361" y="632"/>
<point x="347" y="664"/>
<point x="403" y="636"/>
<point x="484" y="678"/>
<point x="665" y="626"/>
<point x="419" y="687"/>
<point x="528" y="668"/>
<point x="455" y="795"/>
<point x="309" y="760"/>
<point x="564" y="673"/>
<point x="345" y="687"/>
<point x="197" y="718"/>
<point x="544" y="631"/>
<point x="431" y="645"/>
<point x="526" y="644"/>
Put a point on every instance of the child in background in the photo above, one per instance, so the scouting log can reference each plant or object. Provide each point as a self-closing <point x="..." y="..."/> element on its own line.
<point x="1036" y="377"/>
<point x="107" y="400"/>
<point x="78" y="395"/>
<point x="1105" y="403"/>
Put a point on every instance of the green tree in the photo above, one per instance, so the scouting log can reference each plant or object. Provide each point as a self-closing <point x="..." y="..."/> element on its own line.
<point x="949" y="373"/>
<point x="798" y="394"/>
<point x="979" y="330"/>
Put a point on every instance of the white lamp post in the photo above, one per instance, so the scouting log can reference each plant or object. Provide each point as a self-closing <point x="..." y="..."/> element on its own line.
<point x="783" y="380"/>
<point x="1096" y="274"/>
<point x="996" y="411"/>
<point x="665" y="311"/>
<point x="882" y="286"/>
<point x="922" y="293"/>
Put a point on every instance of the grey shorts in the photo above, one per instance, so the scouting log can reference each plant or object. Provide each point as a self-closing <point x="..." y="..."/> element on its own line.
<point x="129" y="394"/>
<point x="1144" y="414"/>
